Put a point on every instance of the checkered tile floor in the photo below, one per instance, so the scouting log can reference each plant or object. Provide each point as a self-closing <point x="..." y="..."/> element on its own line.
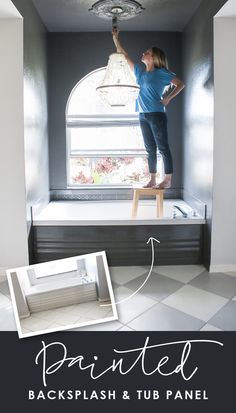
<point x="175" y="298"/>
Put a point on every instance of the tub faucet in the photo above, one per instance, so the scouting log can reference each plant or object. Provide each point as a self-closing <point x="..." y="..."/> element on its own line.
<point x="185" y="215"/>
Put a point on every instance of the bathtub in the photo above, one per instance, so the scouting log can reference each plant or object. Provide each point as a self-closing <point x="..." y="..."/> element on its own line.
<point x="113" y="213"/>
<point x="68" y="228"/>
<point x="45" y="289"/>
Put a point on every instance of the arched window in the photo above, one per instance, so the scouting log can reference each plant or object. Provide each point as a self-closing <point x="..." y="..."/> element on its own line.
<point x="104" y="144"/>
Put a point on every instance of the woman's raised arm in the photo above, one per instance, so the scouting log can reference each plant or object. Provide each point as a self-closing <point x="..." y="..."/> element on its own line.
<point x="115" y="35"/>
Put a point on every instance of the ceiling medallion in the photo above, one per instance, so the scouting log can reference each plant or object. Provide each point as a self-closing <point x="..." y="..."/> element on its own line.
<point x="122" y="9"/>
<point x="119" y="86"/>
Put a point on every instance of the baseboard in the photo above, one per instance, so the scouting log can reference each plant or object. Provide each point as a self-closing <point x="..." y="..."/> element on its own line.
<point x="104" y="300"/>
<point x="22" y="317"/>
<point x="223" y="268"/>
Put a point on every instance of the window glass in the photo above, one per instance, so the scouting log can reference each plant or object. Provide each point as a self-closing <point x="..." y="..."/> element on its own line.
<point x="105" y="144"/>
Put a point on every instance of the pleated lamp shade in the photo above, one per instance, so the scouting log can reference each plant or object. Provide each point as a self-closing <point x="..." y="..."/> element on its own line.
<point x="119" y="87"/>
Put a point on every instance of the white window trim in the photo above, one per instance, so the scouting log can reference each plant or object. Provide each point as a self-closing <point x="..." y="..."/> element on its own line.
<point x="96" y="120"/>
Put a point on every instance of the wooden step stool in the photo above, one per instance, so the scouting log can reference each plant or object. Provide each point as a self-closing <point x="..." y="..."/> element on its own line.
<point x="148" y="191"/>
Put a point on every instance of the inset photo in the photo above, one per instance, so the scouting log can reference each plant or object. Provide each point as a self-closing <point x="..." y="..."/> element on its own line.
<point x="62" y="294"/>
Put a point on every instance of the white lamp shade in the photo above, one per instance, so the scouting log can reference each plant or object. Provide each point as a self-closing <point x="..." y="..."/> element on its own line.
<point x="119" y="86"/>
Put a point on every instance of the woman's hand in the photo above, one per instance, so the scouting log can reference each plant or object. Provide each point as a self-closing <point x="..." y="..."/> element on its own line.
<point x="165" y="101"/>
<point x="178" y="86"/>
<point x="115" y="33"/>
<point x="119" y="48"/>
<point x="115" y="36"/>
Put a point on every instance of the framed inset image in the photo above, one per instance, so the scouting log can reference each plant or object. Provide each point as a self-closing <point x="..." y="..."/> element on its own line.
<point x="62" y="294"/>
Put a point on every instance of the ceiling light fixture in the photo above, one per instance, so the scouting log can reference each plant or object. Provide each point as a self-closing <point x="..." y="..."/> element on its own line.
<point x="119" y="86"/>
<point x="125" y="9"/>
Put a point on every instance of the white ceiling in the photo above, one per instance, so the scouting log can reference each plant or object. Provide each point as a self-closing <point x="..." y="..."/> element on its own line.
<point x="73" y="16"/>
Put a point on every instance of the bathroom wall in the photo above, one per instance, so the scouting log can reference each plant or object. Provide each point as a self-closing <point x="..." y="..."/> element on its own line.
<point x="223" y="257"/>
<point x="199" y="111"/>
<point x="35" y="106"/>
<point x="95" y="268"/>
<point x="72" y="56"/>
<point x="13" y="229"/>
<point x="21" y="302"/>
<point x="102" y="284"/>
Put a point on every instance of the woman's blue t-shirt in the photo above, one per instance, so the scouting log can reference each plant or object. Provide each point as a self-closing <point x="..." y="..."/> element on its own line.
<point x="152" y="86"/>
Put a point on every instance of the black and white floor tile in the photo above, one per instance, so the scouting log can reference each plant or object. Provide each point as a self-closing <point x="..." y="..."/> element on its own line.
<point x="175" y="298"/>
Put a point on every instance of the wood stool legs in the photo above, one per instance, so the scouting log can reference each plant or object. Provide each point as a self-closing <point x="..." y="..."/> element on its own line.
<point x="159" y="199"/>
<point x="148" y="191"/>
<point x="135" y="203"/>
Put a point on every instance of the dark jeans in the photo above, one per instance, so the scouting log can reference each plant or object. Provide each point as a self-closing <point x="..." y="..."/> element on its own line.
<point x="155" y="136"/>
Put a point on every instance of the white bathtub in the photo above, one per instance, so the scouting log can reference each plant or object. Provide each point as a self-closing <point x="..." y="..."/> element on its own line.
<point x="112" y="213"/>
<point x="48" y="291"/>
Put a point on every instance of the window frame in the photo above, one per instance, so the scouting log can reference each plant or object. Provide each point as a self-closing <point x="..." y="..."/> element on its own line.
<point x="98" y="120"/>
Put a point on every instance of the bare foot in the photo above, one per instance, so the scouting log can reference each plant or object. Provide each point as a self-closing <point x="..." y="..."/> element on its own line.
<point x="163" y="185"/>
<point x="150" y="184"/>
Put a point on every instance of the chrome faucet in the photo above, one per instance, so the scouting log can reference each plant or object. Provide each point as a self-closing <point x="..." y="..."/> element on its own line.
<point x="185" y="215"/>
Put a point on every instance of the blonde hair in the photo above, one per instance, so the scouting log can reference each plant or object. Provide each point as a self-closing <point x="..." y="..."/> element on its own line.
<point x="159" y="58"/>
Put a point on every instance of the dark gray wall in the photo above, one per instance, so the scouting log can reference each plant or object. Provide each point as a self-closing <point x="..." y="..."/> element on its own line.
<point x="35" y="105"/>
<point x="72" y="56"/>
<point x="199" y="109"/>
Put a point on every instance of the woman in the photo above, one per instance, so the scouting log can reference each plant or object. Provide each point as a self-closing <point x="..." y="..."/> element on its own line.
<point x="154" y="80"/>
